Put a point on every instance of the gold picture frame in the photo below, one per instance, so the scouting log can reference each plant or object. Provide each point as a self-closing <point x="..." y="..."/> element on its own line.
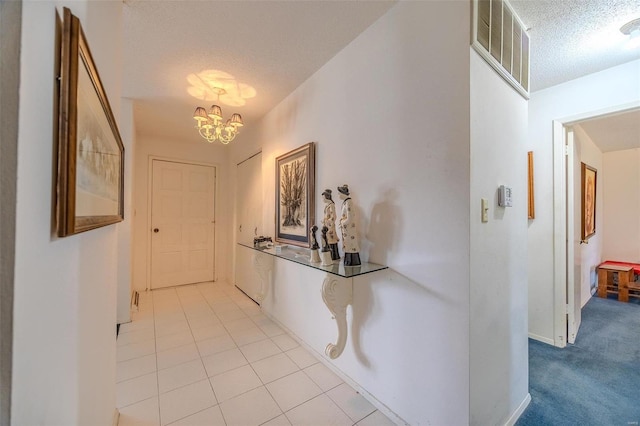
<point x="531" y="203"/>
<point x="589" y="177"/>
<point x="90" y="171"/>
<point x="295" y="195"/>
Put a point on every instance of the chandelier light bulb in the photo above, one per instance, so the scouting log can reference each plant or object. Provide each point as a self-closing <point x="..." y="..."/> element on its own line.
<point x="211" y="125"/>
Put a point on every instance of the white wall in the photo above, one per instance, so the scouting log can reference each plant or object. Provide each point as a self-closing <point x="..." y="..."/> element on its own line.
<point x="65" y="289"/>
<point x="621" y="206"/>
<point x="390" y="115"/>
<point x="125" y="234"/>
<point x="589" y="255"/>
<point x="590" y="94"/>
<point x="198" y="151"/>
<point x="498" y="291"/>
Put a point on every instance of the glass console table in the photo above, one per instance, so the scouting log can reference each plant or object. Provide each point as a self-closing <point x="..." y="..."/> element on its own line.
<point x="337" y="287"/>
<point x="301" y="255"/>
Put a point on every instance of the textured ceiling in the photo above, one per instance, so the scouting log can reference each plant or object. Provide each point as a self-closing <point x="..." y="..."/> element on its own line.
<point x="272" y="46"/>
<point x="573" y="38"/>
<point x="614" y="132"/>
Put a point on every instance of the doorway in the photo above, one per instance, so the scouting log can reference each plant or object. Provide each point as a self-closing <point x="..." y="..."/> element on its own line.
<point x="575" y="258"/>
<point x="182" y="231"/>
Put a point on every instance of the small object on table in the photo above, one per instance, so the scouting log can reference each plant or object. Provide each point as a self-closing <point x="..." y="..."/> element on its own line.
<point x="314" y="257"/>
<point x="325" y="254"/>
<point x="261" y="241"/>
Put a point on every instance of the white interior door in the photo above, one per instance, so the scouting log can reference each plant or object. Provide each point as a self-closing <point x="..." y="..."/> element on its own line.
<point x="248" y="222"/>
<point x="574" y="313"/>
<point x="249" y="199"/>
<point x="182" y="223"/>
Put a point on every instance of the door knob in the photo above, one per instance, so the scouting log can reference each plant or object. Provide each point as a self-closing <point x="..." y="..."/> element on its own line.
<point x="156" y="230"/>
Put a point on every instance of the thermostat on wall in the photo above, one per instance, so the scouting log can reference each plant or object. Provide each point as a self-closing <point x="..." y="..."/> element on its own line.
<point x="504" y="196"/>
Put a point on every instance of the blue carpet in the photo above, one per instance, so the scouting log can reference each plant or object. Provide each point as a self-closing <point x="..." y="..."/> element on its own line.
<point x="597" y="380"/>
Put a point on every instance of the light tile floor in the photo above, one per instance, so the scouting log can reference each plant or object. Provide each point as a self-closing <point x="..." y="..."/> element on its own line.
<point x="205" y="354"/>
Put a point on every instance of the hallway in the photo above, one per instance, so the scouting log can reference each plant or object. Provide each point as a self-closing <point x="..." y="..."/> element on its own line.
<point x="204" y="354"/>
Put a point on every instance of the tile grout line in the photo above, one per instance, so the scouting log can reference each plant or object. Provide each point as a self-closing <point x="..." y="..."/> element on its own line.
<point x="204" y="367"/>
<point x="264" y="385"/>
<point x="155" y="333"/>
<point x="200" y="358"/>
<point x="300" y="369"/>
<point x="202" y="298"/>
<point x="312" y="381"/>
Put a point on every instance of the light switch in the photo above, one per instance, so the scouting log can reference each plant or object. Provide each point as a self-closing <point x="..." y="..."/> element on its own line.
<point x="485" y="210"/>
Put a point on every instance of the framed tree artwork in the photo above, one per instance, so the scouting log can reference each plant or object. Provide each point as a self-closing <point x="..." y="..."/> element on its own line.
<point x="90" y="152"/>
<point x="295" y="195"/>
<point x="588" y="195"/>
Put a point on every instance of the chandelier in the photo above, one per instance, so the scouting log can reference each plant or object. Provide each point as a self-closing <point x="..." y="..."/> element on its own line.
<point x="212" y="127"/>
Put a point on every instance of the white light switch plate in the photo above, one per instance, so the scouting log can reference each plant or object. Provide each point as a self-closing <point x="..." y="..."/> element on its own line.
<point x="485" y="210"/>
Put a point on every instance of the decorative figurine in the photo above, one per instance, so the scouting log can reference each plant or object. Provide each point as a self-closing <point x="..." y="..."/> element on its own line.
<point x="325" y="243"/>
<point x="315" y="245"/>
<point x="325" y="254"/>
<point x="330" y="222"/>
<point x="349" y="229"/>
<point x="315" y="257"/>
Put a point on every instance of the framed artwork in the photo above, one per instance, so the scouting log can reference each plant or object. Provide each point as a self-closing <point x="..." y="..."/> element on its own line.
<point x="588" y="196"/>
<point x="531" y="203"/>
<point x="295" y="195"/>
<point x="90" y="152"/>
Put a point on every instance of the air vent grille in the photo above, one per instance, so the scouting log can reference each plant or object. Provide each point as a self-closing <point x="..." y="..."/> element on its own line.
<point x="502" y="40"/>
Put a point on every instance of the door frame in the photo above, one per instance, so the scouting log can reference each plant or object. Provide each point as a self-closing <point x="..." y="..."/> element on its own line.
<point x="560" y="218"/>
<point x="153" y="158"/>
<point x="10" y="54"/>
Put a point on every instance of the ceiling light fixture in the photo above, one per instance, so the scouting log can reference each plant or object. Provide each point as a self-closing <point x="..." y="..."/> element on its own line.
<point x="211" y="125"/>
<point x="632" y="29"/>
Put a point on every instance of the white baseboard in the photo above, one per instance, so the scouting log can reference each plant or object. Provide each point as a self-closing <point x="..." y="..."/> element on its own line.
<point x="542" y="339"/>
<point x="372" y="399"/>
<point x="516" y="414"/>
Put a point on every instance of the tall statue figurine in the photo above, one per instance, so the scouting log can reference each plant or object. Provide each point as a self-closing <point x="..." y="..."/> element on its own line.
<point x="348" y="227"/>
<point x="330" y="222"/>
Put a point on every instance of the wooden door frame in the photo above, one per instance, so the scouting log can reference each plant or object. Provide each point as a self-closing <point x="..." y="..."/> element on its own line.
<point x="153" y="158"/>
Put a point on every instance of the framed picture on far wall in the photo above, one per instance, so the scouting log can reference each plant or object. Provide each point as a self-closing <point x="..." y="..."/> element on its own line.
<point x="589" y="185"/>
<point x="295" y="195"/>
<point x="531" y="199"/>
<point x="90" y="151"/>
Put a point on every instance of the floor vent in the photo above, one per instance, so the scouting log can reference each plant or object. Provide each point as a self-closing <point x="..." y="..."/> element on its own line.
<point x="502" y="40"/>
